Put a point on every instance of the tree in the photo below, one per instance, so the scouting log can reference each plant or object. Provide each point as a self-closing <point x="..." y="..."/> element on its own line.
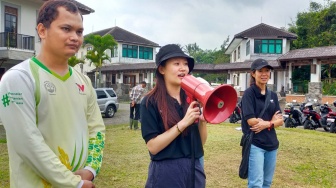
<point x="209" y="57"/>
<point x="98" y="54"/>
<point x="327" y="70"/>
<point x="316" y="27"/>
<point x="73" y="61"/>
<point x="192" y="49"/>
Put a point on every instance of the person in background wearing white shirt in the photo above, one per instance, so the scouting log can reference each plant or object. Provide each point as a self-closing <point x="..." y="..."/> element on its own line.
<point x="136" y="96"/>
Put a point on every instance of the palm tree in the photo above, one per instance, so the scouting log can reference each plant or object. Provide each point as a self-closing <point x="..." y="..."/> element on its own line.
<point x="98" y="54"/>
<point x="73" y="61"/>
<point x="327" y="69"/>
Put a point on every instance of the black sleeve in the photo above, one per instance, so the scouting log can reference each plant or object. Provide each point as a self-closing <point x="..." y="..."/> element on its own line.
<point x="150" y="120"/>
<point x="248" y="104"/>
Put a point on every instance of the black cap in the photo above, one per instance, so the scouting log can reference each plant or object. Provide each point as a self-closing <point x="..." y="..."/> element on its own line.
<point x="172" y="50"/>
<point x="259" y="64"/>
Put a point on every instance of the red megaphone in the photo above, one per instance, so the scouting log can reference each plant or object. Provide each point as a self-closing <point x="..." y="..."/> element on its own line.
<point x="218" y="103"/>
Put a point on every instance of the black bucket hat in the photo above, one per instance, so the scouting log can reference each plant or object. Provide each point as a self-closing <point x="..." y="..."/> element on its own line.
<point x="259" y="64"/>
<point x="172" y="50"/>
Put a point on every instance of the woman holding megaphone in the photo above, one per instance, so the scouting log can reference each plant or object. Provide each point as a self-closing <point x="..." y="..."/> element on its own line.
<point x="174" y="140"/>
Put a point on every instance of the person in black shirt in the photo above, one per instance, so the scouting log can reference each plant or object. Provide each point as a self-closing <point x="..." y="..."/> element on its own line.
<point x="168" y="125"/>
<point x="265" y="144"/>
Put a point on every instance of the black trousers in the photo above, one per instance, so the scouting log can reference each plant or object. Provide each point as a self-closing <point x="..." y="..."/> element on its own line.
<point x="135" y="112"/>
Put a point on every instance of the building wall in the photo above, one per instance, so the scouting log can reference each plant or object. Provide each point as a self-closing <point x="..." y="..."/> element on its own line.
<point x="277" y="77"/>
<point x="302" y="98"/>
<point x="27" y="14"/>
<point x="280" y="80"/>
<point x="119" y="59"/>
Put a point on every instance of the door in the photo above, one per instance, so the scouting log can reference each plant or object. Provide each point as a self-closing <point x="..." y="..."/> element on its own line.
<point x="130" y="79"/>
<point x="11" y="15"/>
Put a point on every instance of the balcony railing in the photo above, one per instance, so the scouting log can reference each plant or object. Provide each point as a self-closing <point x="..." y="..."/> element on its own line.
<point x="18" y="41"/>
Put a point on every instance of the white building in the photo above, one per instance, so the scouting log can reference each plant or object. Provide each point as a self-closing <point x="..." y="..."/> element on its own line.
<point x="18" y="37"/>
<point x="260" y="41"/>
<point x="131" y="51"/>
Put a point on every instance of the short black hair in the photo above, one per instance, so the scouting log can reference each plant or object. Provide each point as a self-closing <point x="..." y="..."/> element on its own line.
<point x="143" y="82"/>
<point x="48" y="11"/>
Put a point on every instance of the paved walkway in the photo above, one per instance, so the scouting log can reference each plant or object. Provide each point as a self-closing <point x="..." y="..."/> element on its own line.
<point x="120" y="117"/>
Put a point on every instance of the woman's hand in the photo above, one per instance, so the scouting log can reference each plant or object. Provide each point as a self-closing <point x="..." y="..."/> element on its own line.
<point x="260" y="126"/>
<point x="201" y="117"/>
<point x="277" y="115"/>
<point x="193" y="113"/>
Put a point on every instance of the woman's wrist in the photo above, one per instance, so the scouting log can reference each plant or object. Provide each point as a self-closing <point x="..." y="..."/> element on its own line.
<point x="178" y="128"/>
<point x="270" y="125"/>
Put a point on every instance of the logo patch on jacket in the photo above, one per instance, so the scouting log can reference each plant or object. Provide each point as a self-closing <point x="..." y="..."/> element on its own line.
<point x="12" y="97"/>
<point x="50" y="87"/>
<point x="80" y="89"/>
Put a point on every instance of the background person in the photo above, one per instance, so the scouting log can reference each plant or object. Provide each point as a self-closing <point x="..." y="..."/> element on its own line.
<point x="136" y="95"/>
<point x="55" y="131"/>
<point x="168" y="124"/>
<point x="265" y="143"/>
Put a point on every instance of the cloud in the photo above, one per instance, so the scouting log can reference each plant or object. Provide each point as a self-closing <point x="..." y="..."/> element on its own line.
<point x="208" y="23"/>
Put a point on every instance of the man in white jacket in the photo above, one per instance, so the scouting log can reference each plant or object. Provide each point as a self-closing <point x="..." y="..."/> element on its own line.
<point x="55" y="132"/>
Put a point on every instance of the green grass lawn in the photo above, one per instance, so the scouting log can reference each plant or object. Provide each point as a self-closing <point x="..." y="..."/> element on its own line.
<point x="305" y="159"/>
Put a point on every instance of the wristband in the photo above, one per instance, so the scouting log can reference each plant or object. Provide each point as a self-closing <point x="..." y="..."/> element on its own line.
<point x="271" y="126"/>
<point x="178" y="129"/>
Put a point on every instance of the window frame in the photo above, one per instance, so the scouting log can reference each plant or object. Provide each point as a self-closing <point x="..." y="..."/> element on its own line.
<point x="248" y="47"/>
<point x="268" y="46"/>
<point x="129" y="51"/>
<point x="145" y="53"/>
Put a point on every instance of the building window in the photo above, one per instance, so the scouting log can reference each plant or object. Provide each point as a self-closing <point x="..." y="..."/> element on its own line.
<point x="129" y="51"/>
<point x="114" y="79"/>
<point x="114" y="51"/>
<point x="89" y="48"/>
<point x="145" y="53"/>
<point x="238" y="52"/>
<point x="248" y="48"/>
<point x="140" y="78"/>
<point x="234" y="56"/>
<point x="268" y="46"/>
<point x="11" y="16"/>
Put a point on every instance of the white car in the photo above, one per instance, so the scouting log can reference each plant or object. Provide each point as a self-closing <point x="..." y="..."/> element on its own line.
<point x="107" y="101"/>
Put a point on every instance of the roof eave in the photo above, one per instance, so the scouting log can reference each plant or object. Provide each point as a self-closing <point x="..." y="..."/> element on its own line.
<point x="234" y="43"/>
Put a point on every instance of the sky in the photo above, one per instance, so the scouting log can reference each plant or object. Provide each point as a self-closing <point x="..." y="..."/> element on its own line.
<point x="205" y="22"/>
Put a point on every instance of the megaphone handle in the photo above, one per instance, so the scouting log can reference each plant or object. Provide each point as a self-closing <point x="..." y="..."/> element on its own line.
<point x="189" y="100"/>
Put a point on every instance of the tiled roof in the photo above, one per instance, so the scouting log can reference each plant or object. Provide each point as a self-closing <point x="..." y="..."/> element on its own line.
<point x="260" y="31"/>
<point x="83" y="8"/>
<point x="199" y="67"/>
<point x="246" y="65"/>
<point x="309" y="53"/>
<point x="123" y="36"/>
<point x="128" y="66"/>
<point x="265" y="31"/>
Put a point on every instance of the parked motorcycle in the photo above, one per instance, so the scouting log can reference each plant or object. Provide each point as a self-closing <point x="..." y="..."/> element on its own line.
<point x="236" y="114"/>
<point x="331" y="119"/>
<point x="324" y="112"/>
<point x="313" y="118"/>
<point x="293" y="117"/>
